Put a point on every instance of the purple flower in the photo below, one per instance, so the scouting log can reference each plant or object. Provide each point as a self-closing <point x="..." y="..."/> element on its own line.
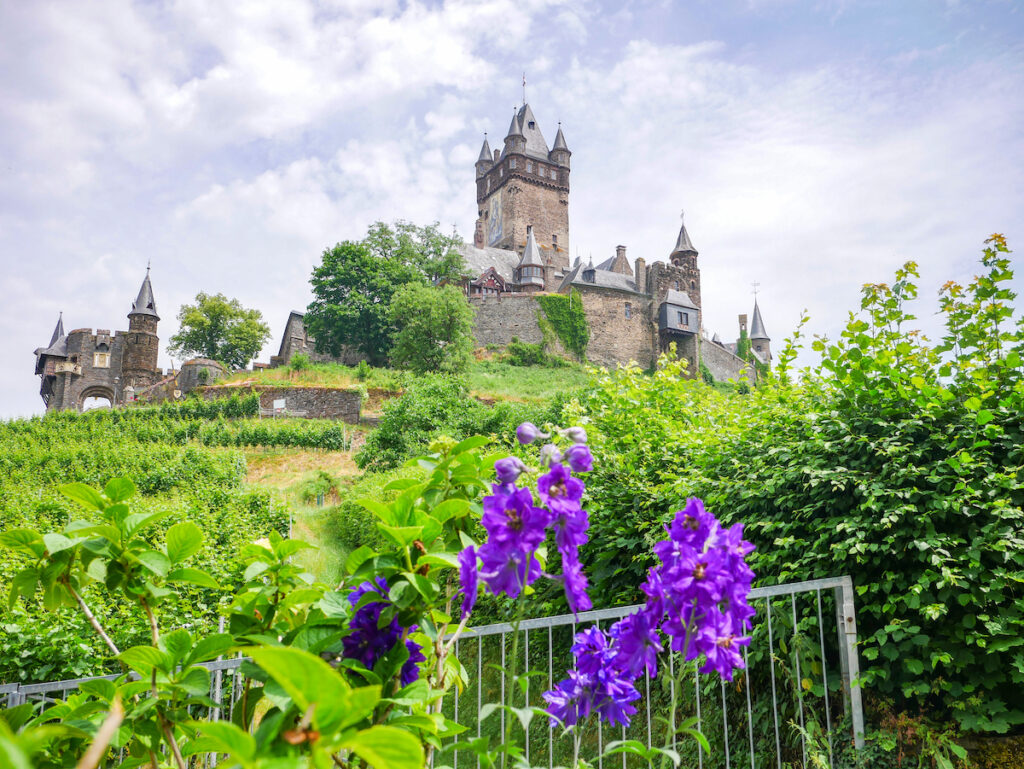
<point x="527" y="433"/>
<point x="512" y="520"/>
<point x="549" y="454"/>
<point x="692" y="525"/>
<point x="507" y="569"/>
<point x="576" y="434"/>
<point x="720" y="643"/>
<point x="559" y="490"/>
<point x="411" y="667"/>
<point x="575" y="583"/>
<point x="578" y="457"/>
<point x="368" y="641"/>
<point x="509" y="469"/>
<point x="636" y="644"/>
<point x="468" y="579"/>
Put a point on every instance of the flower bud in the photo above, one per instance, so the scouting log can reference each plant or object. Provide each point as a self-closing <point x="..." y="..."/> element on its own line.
<point x="578" y="458"/>
<point x="508" y="469"/>
<point x="527" y="432"/>
<point x="549" y="454"/>
<point x="576" y="434"/>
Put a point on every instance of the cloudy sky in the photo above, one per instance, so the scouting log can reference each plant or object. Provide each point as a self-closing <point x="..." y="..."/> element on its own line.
<point x="815" y="146"/>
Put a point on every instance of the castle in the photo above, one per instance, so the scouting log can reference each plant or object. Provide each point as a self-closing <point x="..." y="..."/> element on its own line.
<point x="521" y="248"/>
<point x="86" y="364"/>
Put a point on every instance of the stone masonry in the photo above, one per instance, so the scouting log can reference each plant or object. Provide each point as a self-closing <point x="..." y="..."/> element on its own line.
<point x="310" y="402"/>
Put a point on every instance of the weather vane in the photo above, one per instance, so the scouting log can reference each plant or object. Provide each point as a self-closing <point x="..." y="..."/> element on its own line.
<point x="755" y="284"/>
<point x="524" y="89"/>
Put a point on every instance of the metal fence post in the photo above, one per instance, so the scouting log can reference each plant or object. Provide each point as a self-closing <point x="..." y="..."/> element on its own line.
<point x="846" y="625"/>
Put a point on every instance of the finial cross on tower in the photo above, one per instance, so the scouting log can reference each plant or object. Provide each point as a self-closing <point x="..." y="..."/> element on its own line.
<point x="682" y="214"/>
<point x="755" y="284"/>
<point x="524" y="89"/>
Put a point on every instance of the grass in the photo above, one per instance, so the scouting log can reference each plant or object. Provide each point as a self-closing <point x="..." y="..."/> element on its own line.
<point x="322" y="375"/>
<point x="496" y="380"/>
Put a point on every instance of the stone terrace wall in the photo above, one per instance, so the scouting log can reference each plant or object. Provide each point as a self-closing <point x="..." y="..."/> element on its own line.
<point x="316" y="402"/>
<point x="723" y="364"/>
<point x="498" y="319"/>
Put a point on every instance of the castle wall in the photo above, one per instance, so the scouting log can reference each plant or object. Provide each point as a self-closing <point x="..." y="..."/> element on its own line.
<point x="71" y="389"/>
<point x="723" y="364"/>
<point x="499" y="318"/>
<point x="314" y="402"/>
<point x="614" y="338"/>
<point x="297" y="340"/>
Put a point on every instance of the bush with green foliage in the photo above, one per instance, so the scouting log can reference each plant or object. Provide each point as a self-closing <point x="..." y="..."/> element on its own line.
<point x="898" y="462"/>
<point x="431" y="406"/>
<point x="520" y="353"/>
<point x="434" y="329"/>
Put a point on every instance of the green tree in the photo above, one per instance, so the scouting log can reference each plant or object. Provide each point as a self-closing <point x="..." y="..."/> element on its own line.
<point x="355" y="282"/>
<point x="219" y="328"/>
<point x="434" y="329"/>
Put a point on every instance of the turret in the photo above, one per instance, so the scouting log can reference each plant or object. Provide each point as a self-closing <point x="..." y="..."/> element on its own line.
<point x="560" y="151"/>
<point x="760" y="342"/>
<point x="485" y="162"/>
<point x="530" y="271"/>
<point x="142" y="347"/>
<point x="514" y="140"/>
<point x="683" y="259"/>
<point x="684" y="247"/>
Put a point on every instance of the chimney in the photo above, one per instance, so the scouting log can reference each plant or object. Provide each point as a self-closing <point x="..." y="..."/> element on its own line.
<point x="640" y="274"/>
<point x="478" y="234"/>
<point x="620" y="252"/>
<point x="497" y="155"/>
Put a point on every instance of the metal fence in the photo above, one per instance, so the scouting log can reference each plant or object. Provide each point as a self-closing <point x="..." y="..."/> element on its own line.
<point x="799" y="696"/>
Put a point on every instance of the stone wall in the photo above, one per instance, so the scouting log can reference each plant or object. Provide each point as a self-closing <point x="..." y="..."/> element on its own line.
<point x="723" y="364"/>
<point x="614" y="338"/>
<point x="297" y="340"/>
<point x="501" y="317"/>
<point x="315" y="402"/>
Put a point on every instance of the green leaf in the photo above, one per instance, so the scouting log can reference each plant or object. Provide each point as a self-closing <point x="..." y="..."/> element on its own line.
<point x="183" y="540"/>
<point x="382" y="511"/>
<point x="357" y="557"/>
<point x="142" y="659"/>
<point x="472" y="442"/>
<point x="23" y="540"/>
<point x="403" y="536"/>
<point x="119" y="489"/>
<point x="56" y="542"/>
<point x="385" y="747"/>
<point x="309" y="680"/>
<point x="176" y="644"/>
<point x="444" y="560"/>
<point x="84" y="495"/>
<point x="155" y="561"/>
<point x="224" y="737"/>
<point x="193" y="577"/>
<point x="210" y="648"/>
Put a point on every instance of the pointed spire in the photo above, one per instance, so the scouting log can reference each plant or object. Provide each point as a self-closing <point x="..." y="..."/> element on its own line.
<point x="514" y="128"/>
<point x="144" y="303"/>
<point x="757" y="325"/>
<point x="683" y="243"/>
<point x="531" y="254"/>
<point x="560" y="140"/>
<point x="485" y="152"/>
<point x="58" y="331"/>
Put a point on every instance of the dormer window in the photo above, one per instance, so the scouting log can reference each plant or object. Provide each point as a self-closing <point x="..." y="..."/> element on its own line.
<point x="532" y="124"/>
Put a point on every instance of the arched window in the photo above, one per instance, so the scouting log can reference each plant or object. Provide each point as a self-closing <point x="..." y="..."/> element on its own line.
<point x="629" y="310"/>
<point x="693" y="285"/>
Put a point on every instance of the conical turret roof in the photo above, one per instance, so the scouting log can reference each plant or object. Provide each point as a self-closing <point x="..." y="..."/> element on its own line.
<point x="58" y="346"/>
<point x="58" y="330"/>
<point x="144" y="303"/>
<point x="514" y="129"/>
<point x="757" y="325"/>
<point x="531" y="254"/>
<point x="560" y="140"/>
<point x="485" y="152"/>
<point x="683" y="243"/>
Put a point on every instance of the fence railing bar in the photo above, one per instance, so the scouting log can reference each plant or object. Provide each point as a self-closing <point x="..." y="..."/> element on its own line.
<point x="504" y="665"/>
<point x="479" y="688"/>
<point x="847" y="621"/>
<point x="824" y="678"/>
<point x="775" y="699"/>
<point x="458" y="685"/>
<point x="526" y="669"/>
<point x="725" y="726"/>
<point x="750" y="708"/>
<point x="600" y="726"/>
<point x="647" y="699"/>
<point x="700" y="723"/>
<point x="672" y="694"/>
<point x="551" y="685"/>
<point x="799" y="682"/>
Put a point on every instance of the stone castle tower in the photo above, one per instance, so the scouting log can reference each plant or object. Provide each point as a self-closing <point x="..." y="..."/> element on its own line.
<point x="525" y="185"/>
<point x="84" y="364"/>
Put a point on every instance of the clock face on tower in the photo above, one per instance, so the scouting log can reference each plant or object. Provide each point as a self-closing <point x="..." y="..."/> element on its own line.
<point x="494" y="228"/>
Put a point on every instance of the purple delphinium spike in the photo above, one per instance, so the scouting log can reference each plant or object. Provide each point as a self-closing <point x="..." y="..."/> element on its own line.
<point x="468" y="579"/>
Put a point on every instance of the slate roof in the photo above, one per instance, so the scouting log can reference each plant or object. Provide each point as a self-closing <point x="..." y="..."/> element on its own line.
<point x="536" y="146"/>
<point x="58" y="346"/>
<point x="144" y="303"/>
<point x="559" y="140"/>
<point x="602" y="279"/>
<point x="683" y="243"/>
<point x="757" y="325"/>
<point x="485" y="152"/>
<point x="477" y="260"/>
<point x="531" y="255"/>
<point x="680" y="299"/>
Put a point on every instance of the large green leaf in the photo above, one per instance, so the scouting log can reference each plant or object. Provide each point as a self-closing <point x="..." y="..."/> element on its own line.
<point x="192" y="576"/>
<point x="385" y="747"/>
<point x="223" y="737"/>
<point x="119" y="489"/>
<point x="309" y="680"/>
<point x="183" y="540"/>
<point x="84" y="495"/>
<point x="142" y="659"/>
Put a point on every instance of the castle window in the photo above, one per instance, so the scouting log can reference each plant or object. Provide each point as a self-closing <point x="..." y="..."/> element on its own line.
<point x="677" y="285"/>
<point x="758" y="348"/>
<point x="488" y="184"/>
<point x="101" y="360"/>
<point x="501" y="171"/>
<point x="529" y="166"/>
<point x="693" y="285"/>
<point x="629" y="310"/>
<point x="532" y="124"/>
<point x="554" y="241"/>
<point x="684" y="319"/>
<point x="512" y="163"/>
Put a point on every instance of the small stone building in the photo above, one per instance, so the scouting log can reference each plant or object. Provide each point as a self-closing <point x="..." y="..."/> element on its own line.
<point x="85" y="364"/>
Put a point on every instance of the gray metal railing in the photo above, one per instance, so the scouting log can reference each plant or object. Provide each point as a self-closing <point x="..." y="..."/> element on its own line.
<point x="791" y="672"/>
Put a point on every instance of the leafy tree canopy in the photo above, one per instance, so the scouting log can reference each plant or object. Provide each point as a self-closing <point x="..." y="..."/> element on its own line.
<point x="356" y="280"/>
<point x="219" y="328"/>
<point x="435" y="329"/>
